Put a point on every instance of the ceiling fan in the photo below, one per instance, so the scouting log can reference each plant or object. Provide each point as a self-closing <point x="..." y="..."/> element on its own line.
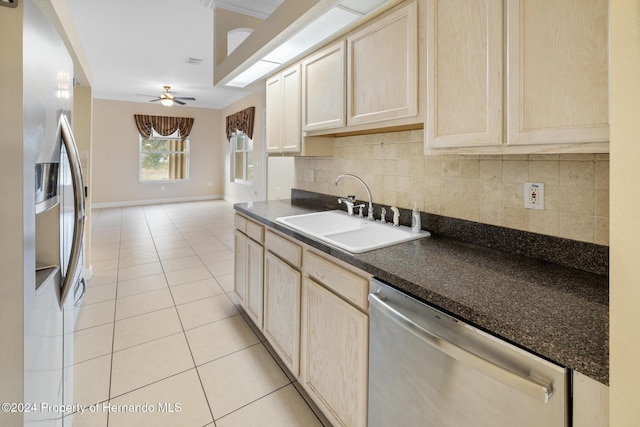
<point x="167" y="99"/>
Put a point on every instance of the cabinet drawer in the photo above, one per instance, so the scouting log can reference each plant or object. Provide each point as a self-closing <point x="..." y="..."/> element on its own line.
<point x="255" y="231"/>
<point x="288" y="251"/>
<point x="352" y="287"/>
<point x="240" y="223"/>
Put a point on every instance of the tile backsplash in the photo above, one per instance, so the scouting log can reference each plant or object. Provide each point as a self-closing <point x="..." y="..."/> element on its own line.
<point x="482" y="188"/>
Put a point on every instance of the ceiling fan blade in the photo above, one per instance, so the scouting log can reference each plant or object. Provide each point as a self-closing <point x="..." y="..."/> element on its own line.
<point x="178" y="102"/>
<point x="184" y="99"/>
<point x="154" y="100"/>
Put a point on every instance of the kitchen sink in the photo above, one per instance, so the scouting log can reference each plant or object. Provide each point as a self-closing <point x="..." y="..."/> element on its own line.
<point x="351" y="233"/>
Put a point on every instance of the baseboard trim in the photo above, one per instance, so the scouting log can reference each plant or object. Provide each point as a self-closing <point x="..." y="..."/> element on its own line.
<point x="154" y="201"/>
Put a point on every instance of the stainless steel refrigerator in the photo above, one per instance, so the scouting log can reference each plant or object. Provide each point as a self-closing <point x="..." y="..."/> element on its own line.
<point x="52" y="302"/>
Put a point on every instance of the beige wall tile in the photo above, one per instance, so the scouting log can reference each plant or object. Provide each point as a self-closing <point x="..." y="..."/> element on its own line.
<point x="491" y="170"/>
<point x="449" y="197"/>
<point x="547" y="172"/>
<point x="602" y="203"/>
<point x="577" y="200"/>
<point x="450" y="167"/>
<point x="416" y="167"/>
<point x="577" y="174"/>
<point x="485" y="188"/>
<point x="432" y="196"/>
<point x="470" y="194"/>
<point x="577" y="227"/>
<point x="433" y="167"/>
<point x="403" y="167"/>
<point x="551" y="198"/>
<point x="544" y="222"/>
<point x="515" y="171"/>
<point x="602" y="175"/>
<point x="469" y="168"/>
<point x="490" y="210"/>
<point x="602" y="231"/>
<point x="578" y="156"/>
<point x="513" y="195"/>
<point x="516" y="218"/>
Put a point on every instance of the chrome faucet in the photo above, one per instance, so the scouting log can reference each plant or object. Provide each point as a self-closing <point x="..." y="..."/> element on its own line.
<point x="351" y="199"/>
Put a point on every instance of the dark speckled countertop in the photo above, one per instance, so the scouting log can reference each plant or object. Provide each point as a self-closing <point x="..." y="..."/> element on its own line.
<point x="557" y="312"/>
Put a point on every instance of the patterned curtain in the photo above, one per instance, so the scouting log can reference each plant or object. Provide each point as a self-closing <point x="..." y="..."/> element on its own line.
<point x="243" y="121"/>
<point x="163" y="125"/>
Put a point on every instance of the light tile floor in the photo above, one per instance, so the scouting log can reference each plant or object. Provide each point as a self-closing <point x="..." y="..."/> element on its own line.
<point x="159" y="329"/>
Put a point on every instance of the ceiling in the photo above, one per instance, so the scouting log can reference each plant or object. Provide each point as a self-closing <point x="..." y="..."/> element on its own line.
<point x="134" y="49"/>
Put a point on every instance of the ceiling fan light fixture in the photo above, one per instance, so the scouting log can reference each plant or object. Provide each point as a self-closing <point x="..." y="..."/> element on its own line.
<point x="167" y="102"/>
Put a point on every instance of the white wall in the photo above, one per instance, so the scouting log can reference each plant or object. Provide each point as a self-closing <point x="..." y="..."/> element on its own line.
<point x="281" y="177"/>
<point x="234" y="192"/>
<point x="115" y="155"/>
<point x="625" y="214"/>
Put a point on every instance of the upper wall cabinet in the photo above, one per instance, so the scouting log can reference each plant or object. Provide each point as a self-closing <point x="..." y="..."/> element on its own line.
<point x="464" y="73"/>
<point x="558" y="61"/>
<point x="382" y="68"/>
<point x="283" y="111"/>
<point x="323" y="89"/>
<point x="284" y="125"/>
<point x="556" y="76"/>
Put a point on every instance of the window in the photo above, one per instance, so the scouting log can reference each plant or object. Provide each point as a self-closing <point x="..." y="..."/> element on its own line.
<point x="241" y="158"/>
<point x="164" y="158"/>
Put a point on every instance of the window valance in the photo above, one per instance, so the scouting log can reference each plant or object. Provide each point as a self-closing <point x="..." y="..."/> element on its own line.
<point x="243" y="121"/>
<point x="163" y="125"/>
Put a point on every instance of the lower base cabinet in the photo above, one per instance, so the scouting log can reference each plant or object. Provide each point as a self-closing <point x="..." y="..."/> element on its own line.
<point x="590" y="402"/>
<point x="282" y="310"/>
<point x="334" y="355"/>
<point x="254" y="277"/>
<point x="313" y="310"/>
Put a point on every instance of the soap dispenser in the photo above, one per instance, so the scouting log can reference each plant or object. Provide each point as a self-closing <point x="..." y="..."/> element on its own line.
<point x="416" y="226"/>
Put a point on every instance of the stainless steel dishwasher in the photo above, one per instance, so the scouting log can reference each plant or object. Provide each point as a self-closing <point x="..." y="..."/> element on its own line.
<point x="429" y="369"/>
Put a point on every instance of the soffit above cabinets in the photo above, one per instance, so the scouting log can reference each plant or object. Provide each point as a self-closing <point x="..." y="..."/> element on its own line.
<point x="270" y="46"/>
<point x="256" y="8"/>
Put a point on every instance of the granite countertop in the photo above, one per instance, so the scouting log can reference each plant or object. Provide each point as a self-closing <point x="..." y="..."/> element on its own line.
<point x="557" y="312"/>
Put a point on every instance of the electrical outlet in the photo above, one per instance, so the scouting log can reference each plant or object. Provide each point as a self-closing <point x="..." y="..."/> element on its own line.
<point x="277" y="193"/>
<point x="534" y="195"/>
<point x="312" y="175"/>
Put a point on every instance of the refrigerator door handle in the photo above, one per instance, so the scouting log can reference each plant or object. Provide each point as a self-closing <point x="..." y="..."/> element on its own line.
<point x="78" y="206"/>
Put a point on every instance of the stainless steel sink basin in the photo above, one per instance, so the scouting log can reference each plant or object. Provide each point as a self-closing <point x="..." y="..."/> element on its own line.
<point x="351" y="233"/>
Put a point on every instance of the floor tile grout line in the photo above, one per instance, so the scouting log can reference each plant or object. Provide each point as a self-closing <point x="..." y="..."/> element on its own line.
<point x="187" y="341"/>
<point x="151" y="383"/>
<point x="115" y="308"/>
<point x="204" y="225"/>
<point x="314" y="408"/>
<point x="256" y="400"/>
<point x="144" y="343"/>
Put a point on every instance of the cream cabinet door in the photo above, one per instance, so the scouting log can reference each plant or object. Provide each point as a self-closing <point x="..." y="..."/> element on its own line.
<point x="334" y="355"/>
<point x="557" y="71"/>
<point x="590" y="402"/>
<point x="274" y="105"/>
<point x="323" y="89"/>
<point x="239" y="266"/>
<point x="382" y="68"/>
<point x="284" y="132"/>
<point x="282" y="288"/>
<point x="291" y="128"/>
<point x="464" y="97"/>
<point x="254" y="278"/>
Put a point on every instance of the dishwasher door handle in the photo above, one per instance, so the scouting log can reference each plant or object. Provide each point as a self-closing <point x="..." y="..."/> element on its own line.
<point x="530" y="384"/>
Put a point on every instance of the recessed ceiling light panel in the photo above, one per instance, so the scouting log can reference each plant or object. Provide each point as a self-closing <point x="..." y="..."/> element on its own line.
<point x="322" y="28"/>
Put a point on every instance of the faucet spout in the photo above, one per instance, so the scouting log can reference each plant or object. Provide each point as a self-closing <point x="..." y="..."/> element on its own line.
<point x="370" y="207"/>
